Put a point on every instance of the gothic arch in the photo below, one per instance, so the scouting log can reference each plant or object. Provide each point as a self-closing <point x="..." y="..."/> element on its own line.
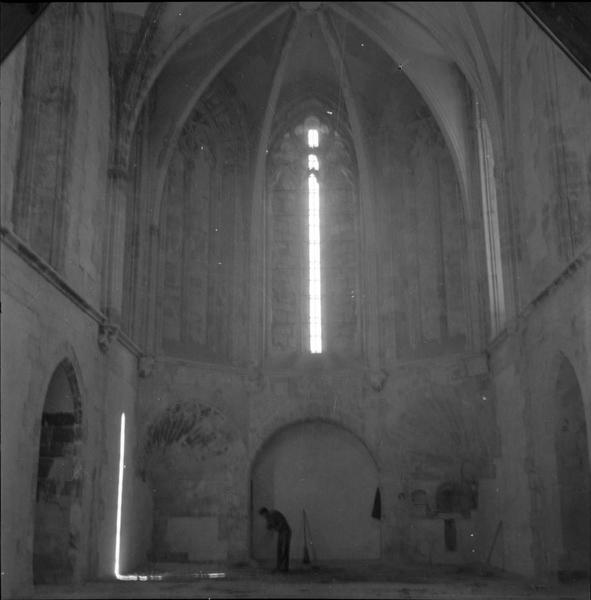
<point x="573" y="474"/>
<point x="58" y="526"/>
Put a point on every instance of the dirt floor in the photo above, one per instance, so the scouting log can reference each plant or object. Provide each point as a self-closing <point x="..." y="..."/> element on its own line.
<point x="369" y="580"/>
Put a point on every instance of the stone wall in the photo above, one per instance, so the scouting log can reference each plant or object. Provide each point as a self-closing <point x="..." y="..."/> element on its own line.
<point x="458" y="441"/>
<point x="51" y="292"/>
<point x="45" y="327"/>
<point x="525" y="370"/>
<point x="423" y="307"/>
<point x="548" y="203"/>
<point x="203" y="429"/>
<point x="546" y="100"/>
<point x="203" y="276"/>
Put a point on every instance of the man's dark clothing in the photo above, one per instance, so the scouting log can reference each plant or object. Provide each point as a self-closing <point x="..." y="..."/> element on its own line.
<point x="277" y="522"/>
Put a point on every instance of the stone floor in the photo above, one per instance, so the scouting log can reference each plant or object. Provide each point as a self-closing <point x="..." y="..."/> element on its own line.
<point x="370" y="580"/>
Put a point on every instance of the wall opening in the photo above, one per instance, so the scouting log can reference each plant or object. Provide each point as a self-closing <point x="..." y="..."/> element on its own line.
<point x="324" y="470"/>
<point x="59" y="481"/>
<point x="573" y="473"/>
<point x="450" y="534"/>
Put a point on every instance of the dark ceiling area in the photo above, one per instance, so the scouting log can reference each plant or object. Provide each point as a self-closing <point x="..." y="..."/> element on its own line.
<point x="16" y="18"/>
<point x="568" y="23"/>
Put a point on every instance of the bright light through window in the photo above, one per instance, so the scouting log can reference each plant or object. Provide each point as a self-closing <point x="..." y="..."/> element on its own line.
<point x="314" y="247"/>
<point x="313" y="138"/>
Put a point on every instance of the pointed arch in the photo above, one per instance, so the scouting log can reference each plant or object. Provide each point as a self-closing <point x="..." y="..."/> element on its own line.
<point x="58" y="526"/>
<point x="571" y="444"/>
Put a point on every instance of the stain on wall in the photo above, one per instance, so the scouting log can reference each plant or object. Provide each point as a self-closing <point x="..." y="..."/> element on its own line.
<point x="192" y="455"/>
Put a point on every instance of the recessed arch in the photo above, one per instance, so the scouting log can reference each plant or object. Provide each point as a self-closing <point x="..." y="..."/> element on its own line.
<point x="320" y="467"/>
<point x="571" y="445"/>
<point x="57" y="528"/>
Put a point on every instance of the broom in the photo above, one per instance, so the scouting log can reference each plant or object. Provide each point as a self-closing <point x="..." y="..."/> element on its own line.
<point x="306" y="559"/>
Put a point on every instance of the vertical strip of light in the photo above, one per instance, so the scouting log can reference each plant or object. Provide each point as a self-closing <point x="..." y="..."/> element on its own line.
<point x="314" y="247"/>
<point x="120" y="495"/>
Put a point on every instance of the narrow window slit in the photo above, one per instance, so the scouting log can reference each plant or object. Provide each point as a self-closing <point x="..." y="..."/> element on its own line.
<point x="314" y="275"/>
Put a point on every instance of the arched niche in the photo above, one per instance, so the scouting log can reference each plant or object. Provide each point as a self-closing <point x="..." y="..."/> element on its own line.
<point x="573" y="472"/>
<point x="322" y="469"/>
<point x="59" y="481"/>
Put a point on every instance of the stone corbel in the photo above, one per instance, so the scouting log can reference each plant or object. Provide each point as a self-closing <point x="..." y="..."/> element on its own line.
<point x="254" y="379"/>
<point x="107" y="333"/>
<point x="377" y="379"/>
<point x="145" y="365"/>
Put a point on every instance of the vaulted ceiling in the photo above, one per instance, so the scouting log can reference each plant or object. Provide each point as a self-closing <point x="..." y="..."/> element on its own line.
<point x="348" y="56"/>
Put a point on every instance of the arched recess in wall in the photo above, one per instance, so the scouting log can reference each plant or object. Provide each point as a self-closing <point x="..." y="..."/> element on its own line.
<point x="425" y="299"/>
<point x="573" y="472"/>
<point x="40" y="209"/>
<point x="57" y="530"/>
<point x="322" y="469"/>
<point x="202" y="266"/>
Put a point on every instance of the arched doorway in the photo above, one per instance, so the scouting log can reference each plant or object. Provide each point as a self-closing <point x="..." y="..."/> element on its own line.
<point x="325" y="470"/>
<point x="573" y="473"/>
<point x="59" y="481"/>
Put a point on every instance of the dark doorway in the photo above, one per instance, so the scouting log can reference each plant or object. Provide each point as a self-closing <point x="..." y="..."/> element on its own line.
<point x="451" y="536"/>
<point x="59" y="482"/>
<point x="574" y="475"/>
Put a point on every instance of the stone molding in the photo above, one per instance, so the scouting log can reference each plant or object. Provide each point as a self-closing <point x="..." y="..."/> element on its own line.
<point x="43" y="268"/>
<point x="515" y="324"/>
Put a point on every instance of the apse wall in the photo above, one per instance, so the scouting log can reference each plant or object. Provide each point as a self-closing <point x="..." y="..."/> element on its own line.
<point x="204" y="427"/>
<point x="210" y="404"/>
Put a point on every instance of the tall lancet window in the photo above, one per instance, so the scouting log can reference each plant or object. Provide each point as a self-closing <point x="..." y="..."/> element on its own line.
<point x="314" y="273"/>
<point x="312" y="243"/>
